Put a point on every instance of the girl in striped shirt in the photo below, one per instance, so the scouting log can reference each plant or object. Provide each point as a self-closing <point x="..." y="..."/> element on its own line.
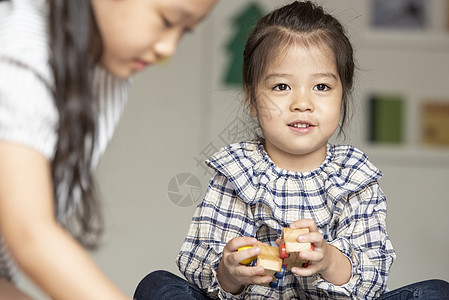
<point x="64" y="69"/>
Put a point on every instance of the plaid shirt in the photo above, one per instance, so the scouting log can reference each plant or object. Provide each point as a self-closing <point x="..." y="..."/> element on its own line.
<point x="250" y="196"/>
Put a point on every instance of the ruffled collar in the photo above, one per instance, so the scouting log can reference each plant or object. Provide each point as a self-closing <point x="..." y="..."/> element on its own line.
<point x="249" y="168"/>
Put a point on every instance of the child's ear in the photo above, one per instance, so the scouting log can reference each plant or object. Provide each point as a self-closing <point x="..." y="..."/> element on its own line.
<point x="251" y="102"/>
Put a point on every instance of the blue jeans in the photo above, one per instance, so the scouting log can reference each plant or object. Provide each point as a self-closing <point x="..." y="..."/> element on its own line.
<point x="164" y="285"/>
<point x="434" y="289"/>
<point x="160" y="285"/>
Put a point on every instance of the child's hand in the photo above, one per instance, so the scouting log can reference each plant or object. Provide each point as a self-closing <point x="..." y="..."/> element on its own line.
<point x="325" y="259"/>
<point x="232" y="275"/>
<point x="319" y="258"/>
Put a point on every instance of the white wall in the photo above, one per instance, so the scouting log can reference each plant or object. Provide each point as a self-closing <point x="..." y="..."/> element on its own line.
<point x="178" y="108"/>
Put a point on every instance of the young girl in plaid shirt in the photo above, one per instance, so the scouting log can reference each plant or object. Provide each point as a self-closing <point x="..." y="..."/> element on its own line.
<point x="298" y="74"/>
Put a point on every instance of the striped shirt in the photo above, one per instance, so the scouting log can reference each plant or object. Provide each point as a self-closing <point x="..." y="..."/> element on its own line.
<point x="250" y="196"/>
<point x="28" y="114"/>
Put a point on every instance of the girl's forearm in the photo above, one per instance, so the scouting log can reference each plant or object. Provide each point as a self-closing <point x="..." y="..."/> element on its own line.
<point x="41" y="247"/>
<point x="62" y="268"/>
<point x="339" y="270"/>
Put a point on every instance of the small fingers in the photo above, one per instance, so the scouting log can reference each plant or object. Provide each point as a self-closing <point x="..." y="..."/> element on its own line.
<point x="257" y="275"/>
<point x="245" y="255"/>
<point x="305" y="272"/>
<point x="252" y="275"/>
<point x="315" y="238"/>
<point x="311" y="256"/>
<point x="314" y="259"/>
<point x="253" y="271"/>
<point x="304" y="223"/>
<point x="260" y="280"/>
<point x="241" y="241"/>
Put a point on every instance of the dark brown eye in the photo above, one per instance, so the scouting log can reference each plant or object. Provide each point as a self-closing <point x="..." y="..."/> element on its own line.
<point x="281" y="87"/>
<point x="321" y="87"/>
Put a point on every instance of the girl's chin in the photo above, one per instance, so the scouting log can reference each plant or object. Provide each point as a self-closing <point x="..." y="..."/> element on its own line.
<point x="119" y="69"/>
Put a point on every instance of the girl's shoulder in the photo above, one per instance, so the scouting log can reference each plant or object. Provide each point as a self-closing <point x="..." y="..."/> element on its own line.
<point x="243" y="165"/>
<point x="349" y="170"/>
<point x="347" y="156"/>
<point x="29" y="114"/>
<point x="351" y="158"/>
<point x="24" y="35"/>
<point x="238" y="156"/>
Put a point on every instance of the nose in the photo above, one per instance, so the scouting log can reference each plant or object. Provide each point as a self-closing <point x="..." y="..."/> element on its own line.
<point x="165" y="46"/>
<point x="301" y="101"/>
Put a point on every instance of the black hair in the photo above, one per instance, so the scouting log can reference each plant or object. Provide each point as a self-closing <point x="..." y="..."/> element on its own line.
<point x="303" y="22"/>
<point x="75" y="48"/>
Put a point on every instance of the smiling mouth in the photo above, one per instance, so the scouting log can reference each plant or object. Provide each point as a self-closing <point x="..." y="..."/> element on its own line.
<point x="300" y="125"/>
<point x="140" y="64"/>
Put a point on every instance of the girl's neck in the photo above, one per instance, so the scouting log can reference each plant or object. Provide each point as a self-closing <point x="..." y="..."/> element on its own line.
<point x="297" y="162"/>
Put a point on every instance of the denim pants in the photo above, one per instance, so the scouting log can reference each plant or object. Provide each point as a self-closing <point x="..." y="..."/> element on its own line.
<point x="162" y="285"/>
<point x="430" y="289"/>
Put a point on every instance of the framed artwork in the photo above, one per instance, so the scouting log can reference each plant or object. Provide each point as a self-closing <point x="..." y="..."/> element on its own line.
<point x="386" y="114"/>
<point x="404" y="14"/>
<point x="435" y="123"/>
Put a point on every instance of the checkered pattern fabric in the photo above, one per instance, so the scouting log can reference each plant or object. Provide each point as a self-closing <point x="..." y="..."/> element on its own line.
<point x="250" y="196"/>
